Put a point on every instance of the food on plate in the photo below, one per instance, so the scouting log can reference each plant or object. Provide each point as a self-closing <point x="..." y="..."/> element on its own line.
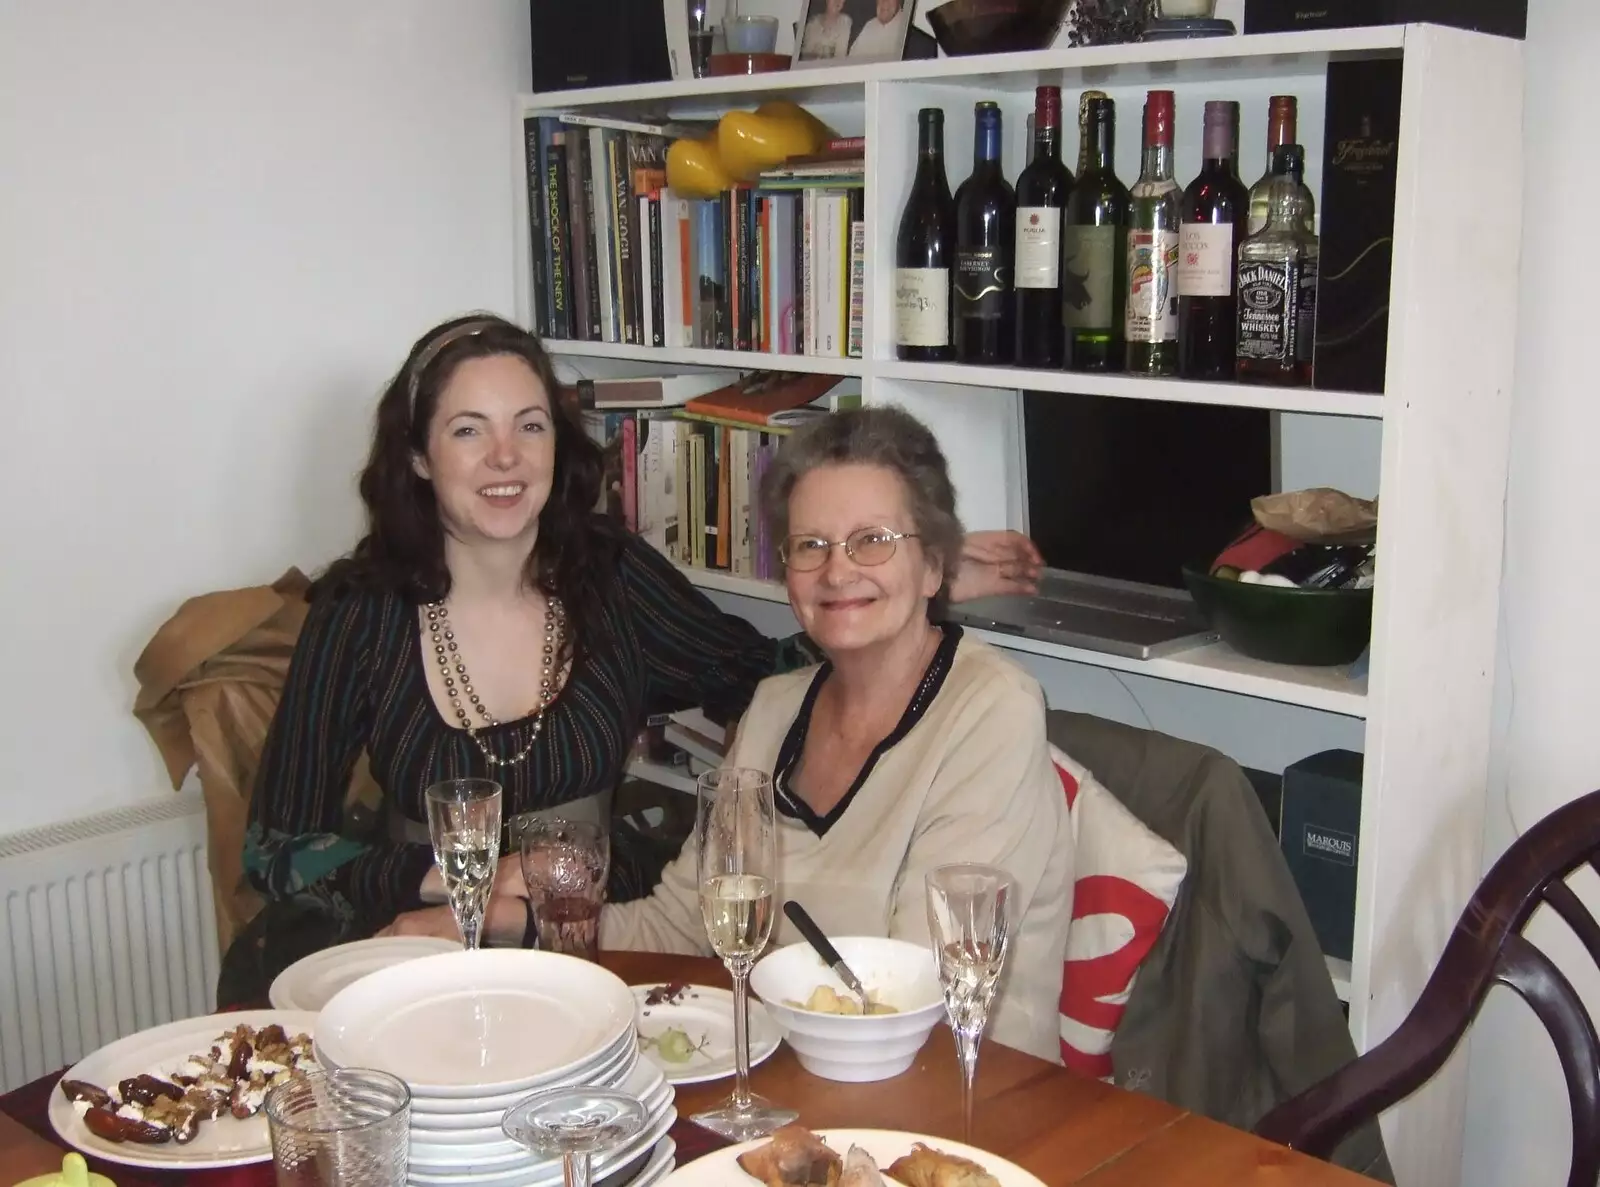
<point x="669" y="994"/>
<point x="794" y="1157"/>
<point x="860" y="1170"/>
<point x="233" y="1077"/>
<point x="825" y="1000"/>
<point x="674" y="1045"/>
<point x="927" y="1167"/>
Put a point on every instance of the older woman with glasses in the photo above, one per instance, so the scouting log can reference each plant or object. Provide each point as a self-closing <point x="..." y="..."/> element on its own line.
<point x="911" y="746"/>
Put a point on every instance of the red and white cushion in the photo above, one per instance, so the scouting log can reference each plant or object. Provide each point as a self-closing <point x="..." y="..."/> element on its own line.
<point x="1126" y="879"/>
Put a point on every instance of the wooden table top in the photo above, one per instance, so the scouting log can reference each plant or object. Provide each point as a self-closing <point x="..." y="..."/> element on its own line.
<point x="1062" y="1127"/>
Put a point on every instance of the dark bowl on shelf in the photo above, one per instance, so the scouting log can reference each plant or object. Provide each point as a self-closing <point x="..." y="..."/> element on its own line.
<point x="996" y="26"/>
<point x="1314" y="627"/>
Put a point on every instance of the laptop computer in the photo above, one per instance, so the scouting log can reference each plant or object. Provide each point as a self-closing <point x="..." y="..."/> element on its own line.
<point x="1095" y="613"/>
<point x="1120" y="494"/>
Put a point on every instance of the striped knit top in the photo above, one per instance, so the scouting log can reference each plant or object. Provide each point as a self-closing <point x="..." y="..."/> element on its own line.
<point x="358" y="682"/>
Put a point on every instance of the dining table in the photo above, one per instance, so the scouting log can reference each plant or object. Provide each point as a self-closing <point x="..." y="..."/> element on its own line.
<point x="1063" y="1127"/>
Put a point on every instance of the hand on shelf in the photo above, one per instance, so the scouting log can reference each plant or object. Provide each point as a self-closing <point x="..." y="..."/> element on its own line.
<point x="993" y="563"/>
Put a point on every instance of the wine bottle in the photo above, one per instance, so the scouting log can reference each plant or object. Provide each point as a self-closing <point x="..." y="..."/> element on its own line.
<point x="1086" y="130"/>
<point x="1278" y="284"/>
<point x="925" y="252"/>
<point x="1282" y="117"/>
<point x="1150" y="324"/>
<point x="1042" y="191"/>
<point x="1214" y="206"/>
<point x="1093" y="264"/>
<point x="986" y="210"/>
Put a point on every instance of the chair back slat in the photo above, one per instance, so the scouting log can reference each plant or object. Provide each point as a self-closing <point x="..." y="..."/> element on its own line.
<point x="1486" y="947"/>
<point x="1535" y="977"/>
<point x="1565" y="904"/>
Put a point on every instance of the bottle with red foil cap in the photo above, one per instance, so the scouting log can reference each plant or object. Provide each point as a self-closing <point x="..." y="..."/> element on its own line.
<point x="1150" y="321"/>
<point x="1042" y="190"/>
<point x="1214" y="214"/>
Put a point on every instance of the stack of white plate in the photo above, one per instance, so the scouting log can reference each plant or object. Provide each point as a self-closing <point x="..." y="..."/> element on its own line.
<point x="473" y="1033"/>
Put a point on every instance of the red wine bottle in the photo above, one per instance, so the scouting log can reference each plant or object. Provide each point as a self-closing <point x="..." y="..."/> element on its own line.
<point x="1215" y="209"/>
<point x="925" y="252"/>
<point x="986" y="210"/>
<point x="1042" y="191"/>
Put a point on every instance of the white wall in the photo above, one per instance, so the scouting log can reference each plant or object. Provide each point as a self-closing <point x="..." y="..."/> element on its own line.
<point x="221" y="225"/>
<point x="1548" y="699"/>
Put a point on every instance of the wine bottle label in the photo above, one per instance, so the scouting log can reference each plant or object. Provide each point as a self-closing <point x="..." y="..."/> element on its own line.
<point x="1269" y="323"/>
<point x="1205" y="260"/>
<point x="1038" y="252"/>
<point x="922" y="306"/>
<point x="1152" y="311"/>
<point x="1088" y="272"/>
<point x="980" y="283"/>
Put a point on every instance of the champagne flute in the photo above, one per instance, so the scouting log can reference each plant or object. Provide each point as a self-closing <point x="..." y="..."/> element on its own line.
<point x="736" y="838"/>
<point x="464" y="824"/>
<point x="574" y="1123"/>
<point x="970" y="914"/>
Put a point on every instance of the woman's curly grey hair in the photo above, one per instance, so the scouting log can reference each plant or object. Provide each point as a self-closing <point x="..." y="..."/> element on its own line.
<point x="882" y="435"/>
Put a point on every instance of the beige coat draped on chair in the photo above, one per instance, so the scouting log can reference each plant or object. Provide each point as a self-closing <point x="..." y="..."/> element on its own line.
<point x="209" y="684"/>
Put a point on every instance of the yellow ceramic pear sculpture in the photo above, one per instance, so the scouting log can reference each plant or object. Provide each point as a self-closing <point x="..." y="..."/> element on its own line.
<point x="74" y="1173"/>
<point x="743" y="144"/>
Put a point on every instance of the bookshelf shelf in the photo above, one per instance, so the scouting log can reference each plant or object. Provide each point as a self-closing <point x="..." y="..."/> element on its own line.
<point x="743" y="360"/>
<point x="1222" y="59"/>
<point x="1215" y="665"/>
<point x="1185" y="391"/>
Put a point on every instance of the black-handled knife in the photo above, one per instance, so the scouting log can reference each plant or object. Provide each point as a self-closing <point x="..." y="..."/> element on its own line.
<point x="808" y="928"/>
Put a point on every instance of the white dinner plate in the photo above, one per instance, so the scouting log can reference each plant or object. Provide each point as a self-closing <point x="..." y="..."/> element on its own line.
<point x="225" y="1141"/>
<point x="310" y="982"/>
<point x="450" y="1113"/>
<point x="662" y="1160"/>
<point x="477" y="1024"/>
<point x="705" y="1014"/>
<point x="721" y="1168"/>
<point x="547" y="1172"/>
<point x="434" y="1150"/>
<point x="453" y="1110"/>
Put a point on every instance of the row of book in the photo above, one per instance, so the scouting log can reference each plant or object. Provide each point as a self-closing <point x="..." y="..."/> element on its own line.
<point x="687" y="479"/>
<point x="617" y="256"/>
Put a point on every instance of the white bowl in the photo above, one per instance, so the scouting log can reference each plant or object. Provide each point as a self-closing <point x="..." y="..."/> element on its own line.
<point x="854" y="1047"/>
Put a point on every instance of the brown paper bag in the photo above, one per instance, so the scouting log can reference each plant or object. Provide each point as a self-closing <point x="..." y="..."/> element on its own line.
<point x="1320" y="515"/>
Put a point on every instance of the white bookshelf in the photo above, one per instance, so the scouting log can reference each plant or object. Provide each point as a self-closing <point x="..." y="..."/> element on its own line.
<point x="1436" y="442"/>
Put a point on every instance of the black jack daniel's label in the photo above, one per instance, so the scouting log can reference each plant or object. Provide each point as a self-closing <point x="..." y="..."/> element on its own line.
<point x="980" y="283"/>
<point x="1277" y="310"/>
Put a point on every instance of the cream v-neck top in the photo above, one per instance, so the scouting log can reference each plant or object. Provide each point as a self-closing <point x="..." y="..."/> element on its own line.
<point x="965" y="776"/>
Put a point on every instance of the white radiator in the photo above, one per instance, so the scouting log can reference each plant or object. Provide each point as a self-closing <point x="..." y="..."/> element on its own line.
<point x="107" y="927"/>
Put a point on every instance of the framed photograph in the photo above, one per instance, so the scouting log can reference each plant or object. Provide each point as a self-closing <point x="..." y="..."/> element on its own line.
<point x="840" y="31"/>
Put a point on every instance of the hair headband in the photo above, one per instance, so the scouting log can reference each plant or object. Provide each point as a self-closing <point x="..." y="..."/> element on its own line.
<point x="466" y="329"/>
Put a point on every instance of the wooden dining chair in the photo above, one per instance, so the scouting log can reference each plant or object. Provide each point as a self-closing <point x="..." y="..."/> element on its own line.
<point x="1486" y="948"/>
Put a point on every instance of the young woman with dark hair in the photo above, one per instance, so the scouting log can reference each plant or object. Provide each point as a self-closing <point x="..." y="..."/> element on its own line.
<point x="488" y="624"/>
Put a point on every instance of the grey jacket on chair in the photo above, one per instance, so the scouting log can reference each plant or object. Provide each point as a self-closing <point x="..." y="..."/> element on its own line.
<point x="1234" y="1010"/>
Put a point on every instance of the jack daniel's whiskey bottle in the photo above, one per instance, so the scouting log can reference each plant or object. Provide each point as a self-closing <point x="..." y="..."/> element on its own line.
<point x="1278" y="284"/>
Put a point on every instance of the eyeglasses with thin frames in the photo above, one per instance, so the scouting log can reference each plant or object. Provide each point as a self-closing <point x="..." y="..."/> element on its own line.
<point x="865" y="546"/>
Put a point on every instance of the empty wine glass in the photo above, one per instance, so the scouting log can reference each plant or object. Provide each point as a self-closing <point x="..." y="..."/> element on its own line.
<point x="574" y="1124"/>
<point x="970" y="915"/>
<point x="736" y="838"/>
<point x="464" y="824"/>
<point x="564" y="863"/>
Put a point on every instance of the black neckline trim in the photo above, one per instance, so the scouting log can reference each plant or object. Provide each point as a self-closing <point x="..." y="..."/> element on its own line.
<point x="790" y="804"/>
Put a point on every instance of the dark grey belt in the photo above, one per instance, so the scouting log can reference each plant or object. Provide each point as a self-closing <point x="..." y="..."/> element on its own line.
<point x="593" y="808"/>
